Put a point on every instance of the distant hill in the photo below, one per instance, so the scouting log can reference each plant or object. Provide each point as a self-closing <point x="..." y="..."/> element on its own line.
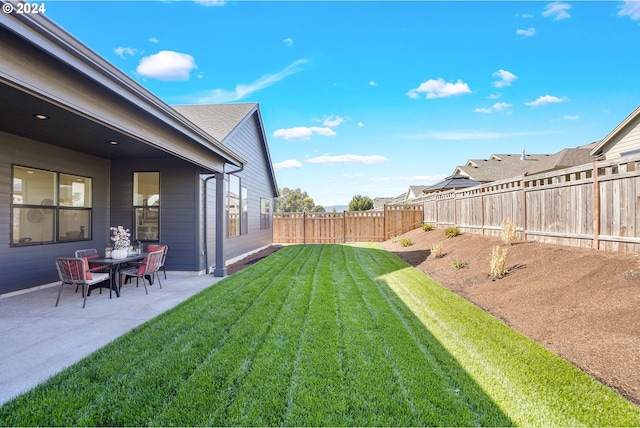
<point x="338" y="208"/>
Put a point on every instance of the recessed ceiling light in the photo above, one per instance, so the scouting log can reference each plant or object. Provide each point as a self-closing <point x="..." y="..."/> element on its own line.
<point x="41" y="116"/>
<point x="113" y="143"/>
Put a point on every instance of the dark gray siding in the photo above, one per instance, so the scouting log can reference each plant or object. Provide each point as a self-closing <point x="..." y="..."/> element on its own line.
<point x="179" y="207"/>
<point x="246" y="141"/>
<point x="26" y="267"/>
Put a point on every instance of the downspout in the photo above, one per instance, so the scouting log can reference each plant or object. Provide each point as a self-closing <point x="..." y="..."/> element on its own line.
<point x="218" y="271"/>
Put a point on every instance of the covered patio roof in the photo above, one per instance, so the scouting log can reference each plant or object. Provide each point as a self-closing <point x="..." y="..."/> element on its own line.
<point x="90" y="106"/>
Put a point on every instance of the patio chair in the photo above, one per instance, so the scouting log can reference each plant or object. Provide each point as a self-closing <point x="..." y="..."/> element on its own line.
<point x="75" y="271"/>
<point x="91" y="253"/>
<point x="147" y="269"/>
<point x="165" y="248"/>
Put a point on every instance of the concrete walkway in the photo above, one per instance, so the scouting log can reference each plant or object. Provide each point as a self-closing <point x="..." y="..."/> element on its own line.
<point x="37" y="339"/>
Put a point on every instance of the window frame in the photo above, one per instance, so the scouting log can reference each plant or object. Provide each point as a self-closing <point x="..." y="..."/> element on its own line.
<point x="147" y="210"/>
<point x="56" y="208"/>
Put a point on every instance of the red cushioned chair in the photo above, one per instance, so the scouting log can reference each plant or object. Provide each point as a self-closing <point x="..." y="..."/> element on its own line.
<point x="150" y="266"/>
<point x="75" y="271"/>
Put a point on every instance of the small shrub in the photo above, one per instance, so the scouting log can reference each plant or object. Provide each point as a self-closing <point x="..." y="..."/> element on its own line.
<point x="451" y="232"/>
<point x="427" y="227"/>
<point x="508" y="231"/>
<point x="499" y="261"/>
<point x="436" y="249"/>
<point x="405" y="242"/>
<point x="457" y="263"/>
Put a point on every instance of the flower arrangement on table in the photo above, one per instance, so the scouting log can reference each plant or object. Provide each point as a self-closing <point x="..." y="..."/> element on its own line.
<point x="120" y="237"/>
<point x="121" y="242"/>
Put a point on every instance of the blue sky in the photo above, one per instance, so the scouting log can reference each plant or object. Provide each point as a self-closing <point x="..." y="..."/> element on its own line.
<point x="371" y="97"/>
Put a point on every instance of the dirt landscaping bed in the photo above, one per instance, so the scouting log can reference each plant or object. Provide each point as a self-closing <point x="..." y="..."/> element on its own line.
<point x="584" y="305"/>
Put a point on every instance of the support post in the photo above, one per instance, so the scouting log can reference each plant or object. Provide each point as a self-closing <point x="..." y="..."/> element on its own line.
<point x="220" y="269"/>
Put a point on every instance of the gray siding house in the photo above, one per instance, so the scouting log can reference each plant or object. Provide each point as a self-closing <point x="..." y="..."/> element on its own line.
<point x="84" y="147"/>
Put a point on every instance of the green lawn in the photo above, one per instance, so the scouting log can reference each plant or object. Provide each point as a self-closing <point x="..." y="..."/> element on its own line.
<point x="328" y="335"/>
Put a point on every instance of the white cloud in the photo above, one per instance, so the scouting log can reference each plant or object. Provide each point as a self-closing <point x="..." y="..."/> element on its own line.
<point x="331" y="122"/>
<point x="526" y="15"/>
<point x="291" y="163"/>
<point x="360" y="124"/>
<point x="122" y="51"/>
<point x="439" y="89"/>
<point x="373" y="83"/>
<point x="423" y="179"/>
<point x="494" y="96"/>
<point x="154" y="40"/>
<point x="571" y="117"/>
<point x="219" y="96"/>
<point x="303" y="132"/>
<point x="167" y="66"/>
<point x="557" y="10"/>
<point x="630" y="8"/>
<point x="526" y="33"/>
<point x="371" y="159"/>
<point x="506" y="77"/>
<point x="546" y="99"/>
<point x="288" y="41"/>
<point x="211" y="2"/>
<point x="495" y="107"/>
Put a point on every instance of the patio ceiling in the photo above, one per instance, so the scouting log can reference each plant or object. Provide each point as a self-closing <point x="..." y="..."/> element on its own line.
<point x="66" y="129"/>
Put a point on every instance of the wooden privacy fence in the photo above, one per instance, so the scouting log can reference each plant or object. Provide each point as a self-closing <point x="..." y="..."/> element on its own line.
<point x="591" y="206"/>
<point x="348" y="226"/>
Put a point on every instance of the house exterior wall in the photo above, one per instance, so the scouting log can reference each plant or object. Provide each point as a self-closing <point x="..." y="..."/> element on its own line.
<point x="180" y="205"/>
<point x="29" y="266"/>
<point x="625" y="142"/>
<point x="246" y="141"/>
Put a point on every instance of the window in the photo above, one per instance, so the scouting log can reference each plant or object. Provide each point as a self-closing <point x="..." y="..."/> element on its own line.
<point x="265" y="213"/>
<point x="244" y="206"/>
<point x="146" y="205"/>
<point x="233" y="206"/>
<point x="49" y="207"/>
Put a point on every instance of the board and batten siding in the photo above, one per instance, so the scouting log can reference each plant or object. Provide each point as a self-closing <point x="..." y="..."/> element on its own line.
<point x="179" y="207"/>
<point x="30" y="266"/>
<point x="246" y="140"/>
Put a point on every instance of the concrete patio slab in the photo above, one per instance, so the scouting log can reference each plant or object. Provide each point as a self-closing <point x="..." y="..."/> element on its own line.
<point x="37" y="339"/>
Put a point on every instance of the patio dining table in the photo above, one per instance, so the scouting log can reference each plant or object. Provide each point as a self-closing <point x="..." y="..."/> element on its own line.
<point x="114" y="268"/>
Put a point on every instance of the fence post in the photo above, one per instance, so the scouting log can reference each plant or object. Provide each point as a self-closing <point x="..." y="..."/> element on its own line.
<point x="524" y="208"/>
<point x="304" y="227"/>
<point x="596" y="207"/>
<point x="384" y="222"/>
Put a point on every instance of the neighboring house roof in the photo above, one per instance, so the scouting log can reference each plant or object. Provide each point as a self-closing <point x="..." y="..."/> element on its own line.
<point x="222" y="121"/>
<point x="498" y="166"/>
<point x="452" y="182"/>
<point x="563" y="159"/>
<point x="414" y="192"/>
<point x="624" y="139"/>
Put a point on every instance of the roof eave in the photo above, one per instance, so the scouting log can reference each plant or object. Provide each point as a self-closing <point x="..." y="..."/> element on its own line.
<point x="597" y="150"/>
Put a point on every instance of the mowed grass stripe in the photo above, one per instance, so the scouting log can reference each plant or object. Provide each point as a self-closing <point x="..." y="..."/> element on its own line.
<point x="316" y="396"/>
<point x="375" y="396"/>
